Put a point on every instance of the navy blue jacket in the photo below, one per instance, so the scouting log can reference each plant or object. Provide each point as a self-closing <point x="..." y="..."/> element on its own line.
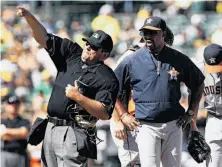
<point x="157" y="96"/>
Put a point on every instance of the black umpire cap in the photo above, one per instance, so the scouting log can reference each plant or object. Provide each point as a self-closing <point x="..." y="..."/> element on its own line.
<point x="100" y="39"/>
<point x="213" y="58"/>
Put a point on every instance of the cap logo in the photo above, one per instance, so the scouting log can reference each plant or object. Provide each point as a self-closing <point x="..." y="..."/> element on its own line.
<point x="149" y="21"/>
<point x="95" y="35"/>
<point x="212" y="60"/>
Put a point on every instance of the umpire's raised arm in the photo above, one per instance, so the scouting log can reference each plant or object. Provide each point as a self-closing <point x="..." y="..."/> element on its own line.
<point x="39" y="32"/>
<point x="60" y="50"/>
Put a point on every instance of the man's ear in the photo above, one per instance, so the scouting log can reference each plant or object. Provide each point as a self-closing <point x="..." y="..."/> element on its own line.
<point x="105" y="55"/>
<point x="164" y="34"/>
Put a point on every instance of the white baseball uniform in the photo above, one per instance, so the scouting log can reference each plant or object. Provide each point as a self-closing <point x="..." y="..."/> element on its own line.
<point x="213" y="104"/>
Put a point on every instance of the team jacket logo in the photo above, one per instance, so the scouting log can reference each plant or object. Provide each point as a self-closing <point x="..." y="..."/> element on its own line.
<point x="173" y="74"/>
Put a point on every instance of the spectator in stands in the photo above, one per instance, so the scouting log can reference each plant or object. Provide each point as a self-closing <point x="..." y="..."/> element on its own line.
<point x="105" y="21"/>
<point x="14" y="130"/>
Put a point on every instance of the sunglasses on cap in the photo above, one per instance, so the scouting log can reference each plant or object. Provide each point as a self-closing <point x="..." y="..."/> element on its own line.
<point x="92" y="46"/>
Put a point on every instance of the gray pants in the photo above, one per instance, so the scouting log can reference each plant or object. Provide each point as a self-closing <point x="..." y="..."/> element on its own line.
<point x="60" y="148"/>
<point x="9" y="159"/>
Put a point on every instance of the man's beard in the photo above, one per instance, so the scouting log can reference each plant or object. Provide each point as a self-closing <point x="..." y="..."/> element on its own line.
<point x="88" y="62"/>
<point x="152" y="47"/>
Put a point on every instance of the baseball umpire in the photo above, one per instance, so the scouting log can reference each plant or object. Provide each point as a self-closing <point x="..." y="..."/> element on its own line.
<point x="155" y="73"/>
<point x="84" y="91"/>
<point x="212" y="69"/>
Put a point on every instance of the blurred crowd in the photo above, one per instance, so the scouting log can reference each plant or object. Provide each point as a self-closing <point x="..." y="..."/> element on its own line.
<point x="27" y="71"/>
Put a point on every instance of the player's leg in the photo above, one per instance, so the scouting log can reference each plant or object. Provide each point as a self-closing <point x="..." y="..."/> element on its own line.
<point x="127" y="149"/>
<point x="149" y="144"/>
<point x="213" y="136"/>
<point x="172" y="146"/>
<point x="216" y="154"/>
<point x="129" y="152"/>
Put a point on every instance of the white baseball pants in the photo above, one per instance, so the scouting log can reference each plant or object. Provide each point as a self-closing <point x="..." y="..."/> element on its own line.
<point x="127" y="149"/>
<point x="213" y="136"/>
<point x="159" y="142"/>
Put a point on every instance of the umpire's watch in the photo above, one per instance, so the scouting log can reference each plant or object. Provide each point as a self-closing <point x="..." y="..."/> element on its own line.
<point x="190" y="112"/>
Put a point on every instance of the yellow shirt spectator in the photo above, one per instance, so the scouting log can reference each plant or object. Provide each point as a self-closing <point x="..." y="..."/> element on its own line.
<point x="104" y="21"/>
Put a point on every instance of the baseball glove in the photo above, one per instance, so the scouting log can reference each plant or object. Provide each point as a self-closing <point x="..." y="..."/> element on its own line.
<point x="197" y="147"/>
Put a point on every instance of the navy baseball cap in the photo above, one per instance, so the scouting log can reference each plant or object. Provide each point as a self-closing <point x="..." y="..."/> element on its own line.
<point x="154" y="23"/>
<point x="213" y="58"/>
<point x="100" y="39"/>
<point x="13" y="100"/>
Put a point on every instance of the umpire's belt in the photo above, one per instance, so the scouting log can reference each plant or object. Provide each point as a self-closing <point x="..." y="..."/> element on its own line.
<point x="61" y="122"/>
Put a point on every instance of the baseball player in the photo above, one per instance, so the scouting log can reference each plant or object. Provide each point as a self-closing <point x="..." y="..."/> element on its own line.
<point x="155" y="72"/>
<point x="124" y="138"/>
<point x="213" y="101"/>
